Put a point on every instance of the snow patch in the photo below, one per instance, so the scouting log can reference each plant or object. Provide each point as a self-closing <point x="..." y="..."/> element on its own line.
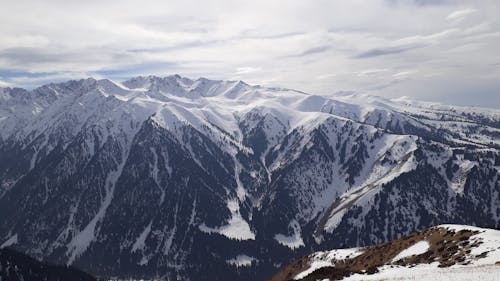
<point x="240" y="189"/>
<point x="295" y="240"/>
<point x="328" y="258"/>
<point x="241" y="261"/>
<point x="9" y="242"/>
<point x="236" y="228"/>
<point x="416" y="249"/>
<point x="459" y="180"/>
<point x="140" y="243"/>
<point x="314" y="266"/>
<point x="490" y="243"/>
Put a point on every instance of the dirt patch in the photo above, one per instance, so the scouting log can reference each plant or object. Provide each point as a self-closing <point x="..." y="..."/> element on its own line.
<point x="290" y="271"/>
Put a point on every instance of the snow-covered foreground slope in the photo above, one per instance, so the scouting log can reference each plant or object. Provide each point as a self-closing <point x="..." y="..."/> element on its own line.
<point x="444" y="252"/>
<point x="432" y="273"/>
<point x="171" y="177"/>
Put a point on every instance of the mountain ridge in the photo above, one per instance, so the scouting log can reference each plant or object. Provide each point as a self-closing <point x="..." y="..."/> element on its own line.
<point x="449" y="247"/>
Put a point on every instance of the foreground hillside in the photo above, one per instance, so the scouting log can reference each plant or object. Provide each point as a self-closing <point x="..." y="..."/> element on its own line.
<point x="171" y="178"/>
<point x="445" y="252"/>
<point x="15" y="266"/>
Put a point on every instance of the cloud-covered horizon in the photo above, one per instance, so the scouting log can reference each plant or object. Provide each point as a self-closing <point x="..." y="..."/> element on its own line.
<point x="437" y="50"/>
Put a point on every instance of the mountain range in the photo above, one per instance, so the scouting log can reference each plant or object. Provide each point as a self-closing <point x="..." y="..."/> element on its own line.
<point x="180" y="179"/>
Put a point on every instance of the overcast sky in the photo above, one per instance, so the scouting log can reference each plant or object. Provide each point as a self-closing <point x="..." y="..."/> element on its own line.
<point x="438" y="50"/>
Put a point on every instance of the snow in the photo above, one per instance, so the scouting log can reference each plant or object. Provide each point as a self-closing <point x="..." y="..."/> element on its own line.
<point x="204" y="102"/>
<point x="241" y="261"/>
<point x="416" y="249"/>
<point x="328" y="258"/>
<point x="490" y="239"/>
<point x="35" y="155"/>
<point x="295" y="240"/>
<point x="155" y="175"/>
<point x="9" y="242"/>
<point x="400" y="148"/>
<point x="167" y="244"/>
<point x="236" y="228"/>
<point x="458" y="182"/>
<point x="431" y="273"/>
<point x="335" y="219"/>
<point x="240" y="189"/>
<point x="140" y="243"/>
<point x="341" y="254"/>
<point x="314" y="266"/>
<point x="83" y="239"/>
<point x="216" y="109"/>
<point x="478" y="269"/>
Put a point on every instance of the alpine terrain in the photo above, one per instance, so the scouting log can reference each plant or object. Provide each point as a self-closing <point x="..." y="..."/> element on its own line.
<point x="186" y="179"/>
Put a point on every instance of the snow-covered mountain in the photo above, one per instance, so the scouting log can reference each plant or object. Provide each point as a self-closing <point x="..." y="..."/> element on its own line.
<point x="444" y="252"/>
<point x="172" y="177"/>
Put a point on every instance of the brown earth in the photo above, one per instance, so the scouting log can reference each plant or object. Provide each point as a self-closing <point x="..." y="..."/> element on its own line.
<point x="447" y="247"/>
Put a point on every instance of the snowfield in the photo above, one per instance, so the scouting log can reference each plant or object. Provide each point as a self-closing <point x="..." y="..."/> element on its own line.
<point x="432" y="273"/>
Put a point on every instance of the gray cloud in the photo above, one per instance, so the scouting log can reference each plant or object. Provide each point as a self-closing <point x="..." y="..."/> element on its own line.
<point x="186" y="45"/>
<point x="383" y="52"/>
<point x="23" y="55"/>
<point x="314" y="50"/>
<point x="258" y="35"/>
<point x="421" y="2"/>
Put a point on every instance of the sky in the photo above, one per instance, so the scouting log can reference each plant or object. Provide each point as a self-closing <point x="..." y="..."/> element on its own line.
<point x="435" y="50"/>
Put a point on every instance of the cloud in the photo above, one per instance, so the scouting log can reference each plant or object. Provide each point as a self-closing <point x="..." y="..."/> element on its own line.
<point x="371" y="72"/>
<point x="313" y="50"/>
<point x="316" y="50"/>
<point x="407" y="43"/>
<point x="4" y="84"/>
<point x="319" y="47"/>
<point x="181" y="46"/>
<point x="256" y="34"/>
<point x="247" y="69"/>
<point x="431" y="2"/>
<point x="460" y="14"/>
<point x="404" y="74"/>
<point x="383" y="52"/>
<point x="144" y="68"/>
<point x="326" y="76"/>
<point x="23" y="55"/>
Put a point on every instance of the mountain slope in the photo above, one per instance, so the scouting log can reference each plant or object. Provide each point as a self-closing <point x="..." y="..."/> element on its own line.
<point x="155" y="175"/>
<point x="15" y="266"/>
<point x="436" y="253"/>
